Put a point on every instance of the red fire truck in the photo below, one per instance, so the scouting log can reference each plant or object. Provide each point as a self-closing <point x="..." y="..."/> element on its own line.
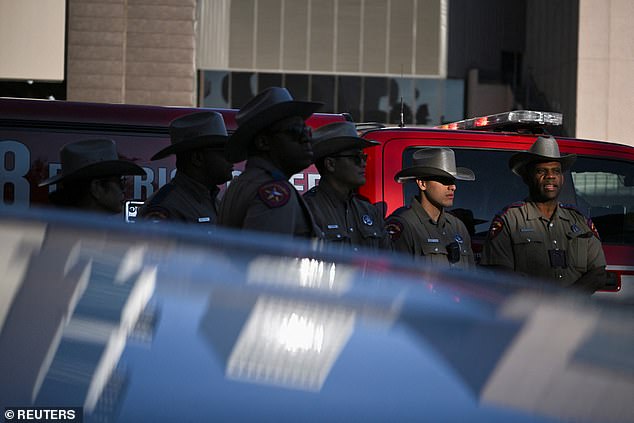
<point x="601" y="183"/>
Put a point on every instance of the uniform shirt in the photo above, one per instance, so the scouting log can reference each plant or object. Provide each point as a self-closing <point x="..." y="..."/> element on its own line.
<point x="262" y="199"/>
<point x="346" y="219"/>
<point x="415" y="233"/>
<point x="520" y="237"/>
<point x="182" y="199"/>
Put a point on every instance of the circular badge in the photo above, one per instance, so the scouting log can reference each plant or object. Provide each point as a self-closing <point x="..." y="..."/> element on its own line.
<point x="367" y="219"/>
<point x="458" y="238"/>
<point x="575" y="228"/>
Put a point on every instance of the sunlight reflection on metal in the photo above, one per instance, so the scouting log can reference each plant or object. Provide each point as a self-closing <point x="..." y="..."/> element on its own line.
<point x="290" y="343"/>
<point x="300" y="273"/>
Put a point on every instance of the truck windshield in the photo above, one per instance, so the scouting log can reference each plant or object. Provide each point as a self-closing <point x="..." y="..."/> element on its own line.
<point x="602" y="189"/>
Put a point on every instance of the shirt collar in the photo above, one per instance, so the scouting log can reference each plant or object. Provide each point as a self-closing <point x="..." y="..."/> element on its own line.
<point x="199" y="190"/>
<point x="424" y="216"/>
<point x="267" y="166"/>
<point x="532" y="212"/>
<point x="336" y="197"/>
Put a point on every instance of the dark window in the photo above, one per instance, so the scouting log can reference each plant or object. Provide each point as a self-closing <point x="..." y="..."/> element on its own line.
<point x="349" y="96"/>
<point x="602" y="189"/>
<point x="297" y="85"/>
<point x="375" y="102"/>
<point x="266" y="80"/>
<point x="241" y="88"/>
<point x="323" y="89"/>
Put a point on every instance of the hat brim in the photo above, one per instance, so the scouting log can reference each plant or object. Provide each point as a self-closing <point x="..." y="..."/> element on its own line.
<point x="421" y="172"/>
<point x="333" y="146"/>
<point x="238" y="145"/>
<point x="102" y="169"/>
<point x="518" y="161"/>
<point x="204" y="141"/>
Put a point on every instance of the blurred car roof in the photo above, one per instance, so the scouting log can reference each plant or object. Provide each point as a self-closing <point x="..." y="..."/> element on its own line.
<point x="144" y="323"/>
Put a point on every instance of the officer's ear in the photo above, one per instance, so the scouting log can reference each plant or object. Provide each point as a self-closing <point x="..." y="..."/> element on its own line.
<point x="97" y="188"/>
<point x="422" y="185"/>
<point x="329" y="164"/>
<point x="262" y="142"/>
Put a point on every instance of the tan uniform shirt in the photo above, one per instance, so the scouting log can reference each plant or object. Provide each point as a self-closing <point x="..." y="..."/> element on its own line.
<point x="262" y="199"/>
<point x="184" y="200"/>
<point x="415" y="233"/>
<point x="520" y="238"/>
<point x="346" y="220"/>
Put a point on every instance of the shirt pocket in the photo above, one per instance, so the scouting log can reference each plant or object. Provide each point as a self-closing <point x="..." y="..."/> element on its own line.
<point x="578" y="244"/>
<point x="371" y="232"/>
<point x="530" y="252"/>
<point x="433" y="249"/>
<point x="335" y="235"/>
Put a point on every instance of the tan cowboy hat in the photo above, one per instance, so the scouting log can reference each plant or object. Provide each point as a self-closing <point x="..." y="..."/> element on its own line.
<point x="337" y="137"/>
<point x="91" y="159"/>
<point x="266" y="108"/>
<point x="543" y="149"/>
<point x="193" y="131"/>
<point x="434" y="162"/>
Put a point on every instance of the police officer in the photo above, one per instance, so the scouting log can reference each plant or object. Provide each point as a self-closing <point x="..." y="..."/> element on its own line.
<point x="342" y="215"/>
<point x="273" y="137"/>
<point x="198" y="140"/>
<point x="424" y="230"/>
<point x="91" y="177"/>
<point x="540" y="236"/>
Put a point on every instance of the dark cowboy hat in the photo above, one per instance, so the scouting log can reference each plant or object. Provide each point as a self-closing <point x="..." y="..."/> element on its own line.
<point x="337" y="137"/>
<point x="543" y="149"/>
<point x="434" y="162"/>
<point x="195" y="130"/>
<point x="266" y="108"/>
<point x="90" y="159"/>
<point x="466" y="215"/>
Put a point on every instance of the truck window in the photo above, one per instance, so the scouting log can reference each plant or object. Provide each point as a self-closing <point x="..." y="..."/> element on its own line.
<point x="602" y="189"/>
<point x="605" y="192"/>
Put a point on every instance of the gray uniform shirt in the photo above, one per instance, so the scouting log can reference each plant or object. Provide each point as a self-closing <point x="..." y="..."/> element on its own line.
<point x="262" y="199"/>
<point x="346" y="220"/>
<point x="520" y="238"/>
<point x="415" y="233"/>
<point x="184" y="200"/>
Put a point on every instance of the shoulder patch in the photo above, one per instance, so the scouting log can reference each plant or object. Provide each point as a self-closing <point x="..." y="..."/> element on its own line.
<point x="274" y="194"/>
<point x="496" y="226"/>
<point x="394" y="229"/>
<point x="156" y="214"/>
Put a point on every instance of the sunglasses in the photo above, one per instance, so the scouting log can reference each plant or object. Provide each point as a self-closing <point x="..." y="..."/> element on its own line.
<point x="358" y="159"/>
<point x="301" y="132"/>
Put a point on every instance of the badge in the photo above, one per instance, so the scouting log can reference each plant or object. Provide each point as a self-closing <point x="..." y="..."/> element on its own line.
<point x="459" y="239"/>
<point x="575" y="228"/>
<point x="394" y="229"/>
<point x="274" y="194"/>
<point x="367" y="219"/>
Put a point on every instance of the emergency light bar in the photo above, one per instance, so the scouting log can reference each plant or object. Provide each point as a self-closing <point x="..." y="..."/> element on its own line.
<point x="508" y="120"/>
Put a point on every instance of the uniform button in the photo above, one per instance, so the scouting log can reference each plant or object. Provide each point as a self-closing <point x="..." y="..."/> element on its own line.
<point x="551" y="225"/>
<point x="435" y="249"/>
<point x="528" y="240"/>
<point x="356" y="249"/>
<point x="351" y="229"/>
<point x="554" y="241"/>
<point x="338" y="236"/>
<point x="374" y="233"/>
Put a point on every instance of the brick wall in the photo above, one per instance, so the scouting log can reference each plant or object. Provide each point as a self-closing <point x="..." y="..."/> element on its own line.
<point x="132" y="51"/>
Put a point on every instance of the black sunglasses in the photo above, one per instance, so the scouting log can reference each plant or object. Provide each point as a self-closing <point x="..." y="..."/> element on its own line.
<point x="358" y="158"/>
<point x="295" y="131"/>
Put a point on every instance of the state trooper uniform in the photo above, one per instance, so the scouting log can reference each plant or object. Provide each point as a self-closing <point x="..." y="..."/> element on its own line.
<point x="345" y="218"/>
<point x="262" y="198"/>
<point x="562" y="248"/>
<point x="185" y="199"/>
<point x="565" y="249"/>
<point x="444" y="243"/>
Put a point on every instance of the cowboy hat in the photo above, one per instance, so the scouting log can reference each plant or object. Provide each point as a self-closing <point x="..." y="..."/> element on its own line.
<point x="193" y="131"/>
<point x="337" y="137"/>
<point x="266" y="108"/>
<point x="543" y="149"/>
<point x="434" y="162"/>
<point x="91" y="159"/>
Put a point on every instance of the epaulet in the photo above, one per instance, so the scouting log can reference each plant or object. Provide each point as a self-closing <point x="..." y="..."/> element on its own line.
<point x="275" y="194"/>
<point x="498" y="223"/>
<point x="160" y="195"/>
<point x="311" y="191"/>
<point x="588" y="220"/>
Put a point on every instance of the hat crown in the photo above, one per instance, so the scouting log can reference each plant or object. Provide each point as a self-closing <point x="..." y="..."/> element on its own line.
<point x="437" y="158"/>
<point x="195" y="125"/>
<point x="263" y="101"/>
<point x="335" y="130"/>
<point x="546" y="147"/>
<point x="80" y="154"/>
